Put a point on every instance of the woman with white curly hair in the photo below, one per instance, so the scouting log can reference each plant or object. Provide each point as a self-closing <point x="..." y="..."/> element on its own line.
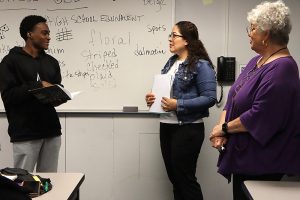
<point x="258" y="135"/>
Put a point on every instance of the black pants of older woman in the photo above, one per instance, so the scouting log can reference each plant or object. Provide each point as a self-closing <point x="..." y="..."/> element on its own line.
<point x="238" y="179"/>
<point x="180" y="147"/>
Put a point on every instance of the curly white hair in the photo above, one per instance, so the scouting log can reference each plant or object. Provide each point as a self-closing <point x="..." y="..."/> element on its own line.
<point x="273" y="17"/>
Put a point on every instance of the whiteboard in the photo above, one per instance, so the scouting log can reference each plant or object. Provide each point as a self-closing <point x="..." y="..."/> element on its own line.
<point x="108" y="49"/>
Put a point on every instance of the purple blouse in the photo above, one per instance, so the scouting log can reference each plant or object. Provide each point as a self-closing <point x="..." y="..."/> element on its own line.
<point x="267" y="100"/>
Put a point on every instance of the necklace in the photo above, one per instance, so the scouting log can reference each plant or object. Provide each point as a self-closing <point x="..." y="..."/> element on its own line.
<point x="270" y="56"/>
<point x="251" y="73"/>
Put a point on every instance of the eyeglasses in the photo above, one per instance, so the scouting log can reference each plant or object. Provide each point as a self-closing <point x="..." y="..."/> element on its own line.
<point x="249" y="29"/>
<point x="174" y="35"/>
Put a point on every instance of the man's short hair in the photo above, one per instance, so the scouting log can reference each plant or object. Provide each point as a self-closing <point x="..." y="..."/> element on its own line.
<point x="28" y="24"/>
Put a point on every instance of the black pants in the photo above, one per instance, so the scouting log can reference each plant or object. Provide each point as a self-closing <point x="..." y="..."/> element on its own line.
<point x="238" y="179"/>
<point x="180" y="147"/>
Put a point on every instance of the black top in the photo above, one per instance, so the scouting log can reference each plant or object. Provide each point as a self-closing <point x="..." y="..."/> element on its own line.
<point x="28" y="118"/>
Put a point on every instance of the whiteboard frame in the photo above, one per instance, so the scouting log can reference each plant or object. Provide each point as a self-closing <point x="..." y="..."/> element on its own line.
<point x="142" y="111"/>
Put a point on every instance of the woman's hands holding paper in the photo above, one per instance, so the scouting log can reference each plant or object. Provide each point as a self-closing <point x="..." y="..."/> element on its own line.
<point x="150" y="98"/>
<point x="168" y="104"/>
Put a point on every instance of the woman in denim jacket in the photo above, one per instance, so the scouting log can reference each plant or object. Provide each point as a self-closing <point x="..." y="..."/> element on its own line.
<point x="193" y="92"/>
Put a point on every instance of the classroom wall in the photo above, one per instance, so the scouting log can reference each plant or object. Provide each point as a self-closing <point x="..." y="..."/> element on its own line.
<point x="120" y="153"/>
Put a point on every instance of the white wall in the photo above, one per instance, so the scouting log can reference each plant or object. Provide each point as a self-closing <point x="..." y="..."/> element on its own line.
<point x="120" y="153"/>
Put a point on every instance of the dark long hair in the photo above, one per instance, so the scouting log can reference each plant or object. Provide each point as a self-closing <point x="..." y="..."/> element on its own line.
<point x="195" y="47"/>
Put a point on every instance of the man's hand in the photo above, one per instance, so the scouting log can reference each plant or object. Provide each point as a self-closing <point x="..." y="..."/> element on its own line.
<point x="46" y="84"/>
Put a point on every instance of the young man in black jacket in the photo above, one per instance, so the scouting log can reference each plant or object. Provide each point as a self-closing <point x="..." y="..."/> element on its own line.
<point x="34" y="128"/>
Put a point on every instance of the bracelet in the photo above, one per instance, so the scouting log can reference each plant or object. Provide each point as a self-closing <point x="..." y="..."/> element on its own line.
<point x="225" y="129"/>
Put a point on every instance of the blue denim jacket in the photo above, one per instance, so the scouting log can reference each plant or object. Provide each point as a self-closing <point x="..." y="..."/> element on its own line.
<point x="195" y="91"/>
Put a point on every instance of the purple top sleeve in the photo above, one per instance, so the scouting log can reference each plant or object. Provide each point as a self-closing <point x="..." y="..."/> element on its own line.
<point x="268" y="113"/>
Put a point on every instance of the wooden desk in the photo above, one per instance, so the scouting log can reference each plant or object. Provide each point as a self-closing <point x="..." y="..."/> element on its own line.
<point x="275" y="190"/>
<point x="65" y="186"/>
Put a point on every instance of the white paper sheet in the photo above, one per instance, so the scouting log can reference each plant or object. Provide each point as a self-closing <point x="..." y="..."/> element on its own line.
<point x="161" y="88"/>
<point x="70" y="94"/>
